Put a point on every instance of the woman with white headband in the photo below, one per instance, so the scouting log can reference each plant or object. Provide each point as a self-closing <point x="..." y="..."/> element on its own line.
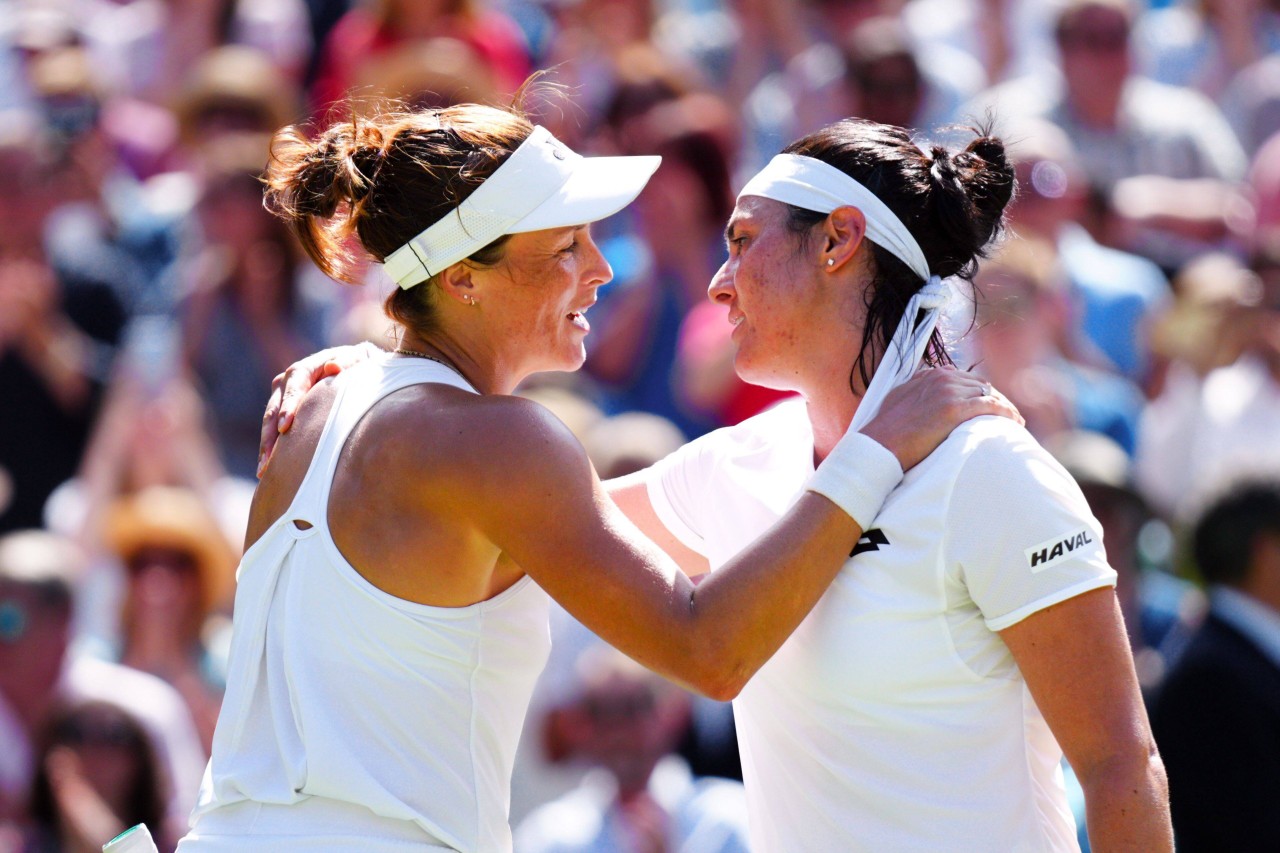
<point x="974" y="637"/>
<point x="391" y="610"/>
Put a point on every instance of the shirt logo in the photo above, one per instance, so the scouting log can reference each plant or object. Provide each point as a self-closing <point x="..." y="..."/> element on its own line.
<point x="870" y="541"/>
<point x="1054" y="551"/>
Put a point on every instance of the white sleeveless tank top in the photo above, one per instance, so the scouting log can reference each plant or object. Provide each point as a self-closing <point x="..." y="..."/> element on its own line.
<point x="355" y="720"/>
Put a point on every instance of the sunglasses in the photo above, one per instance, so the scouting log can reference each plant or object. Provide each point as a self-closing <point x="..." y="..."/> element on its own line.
<point x="174" y="559"/>
<point x="1096" y="40"/>
<point x="619" y="709"/>
<point x="114" y="733"/>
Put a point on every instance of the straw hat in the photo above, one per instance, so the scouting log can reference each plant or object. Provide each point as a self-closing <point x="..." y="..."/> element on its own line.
<point x="177" y="518"/>
<point x="236" y="77"/>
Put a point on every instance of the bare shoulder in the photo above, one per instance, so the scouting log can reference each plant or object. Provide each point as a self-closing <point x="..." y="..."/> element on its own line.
<point x="442" y="441"/>
<point x="290" y="460"/>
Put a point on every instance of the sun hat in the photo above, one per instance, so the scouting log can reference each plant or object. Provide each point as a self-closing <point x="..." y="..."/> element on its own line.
<point x="173" y="518"/>
<point x="543" y="184"/>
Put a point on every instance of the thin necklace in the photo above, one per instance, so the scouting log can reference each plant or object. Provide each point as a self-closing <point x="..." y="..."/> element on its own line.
<point x="417" y="354"/>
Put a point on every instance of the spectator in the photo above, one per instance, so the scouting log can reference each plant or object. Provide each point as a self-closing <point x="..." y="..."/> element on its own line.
<point x="426" y="74"/>
<point x="38" y="671"/>
<point x="1006" y="38"/>
<point x="49" y="374"/>
<point x="1216" y="717"/>
<point x="1200" y="434"/>
<point x="1124" y="124"/>
<point x="888" y="81"/>
<point x="232" y="89"/>
<point x="1205" y="43"/>
<point x="678" y="233"/>
<point x="797" y="61"/>
<point x="248" y="299"/>
<point x="1022" y="343"/>
<point x="1117" y="294"/>
<point x="145" y="48"/>
<point x="1130" y="129"/>
<point x="376" y="26"/>
<point x="179" y="570"/>
<point x="626" y="721"/>
<point x="97" y="775"/>
<point x="112" y="234"/>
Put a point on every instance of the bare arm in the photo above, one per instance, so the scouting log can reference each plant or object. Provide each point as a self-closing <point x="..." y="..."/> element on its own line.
<point x="538" y="500"/>
<point x="631" y="495"/>
<point x="1076" y="661"/>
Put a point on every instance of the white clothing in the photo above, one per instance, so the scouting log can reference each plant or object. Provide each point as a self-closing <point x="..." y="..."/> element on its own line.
<point x="894" y="718"/>
<point x="401" y="716"/>
<point x="703" y="815"/>
<point x="1200" y="436"/>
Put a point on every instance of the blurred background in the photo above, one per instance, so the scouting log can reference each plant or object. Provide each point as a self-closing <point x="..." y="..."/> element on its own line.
<point x="147" y="300"/>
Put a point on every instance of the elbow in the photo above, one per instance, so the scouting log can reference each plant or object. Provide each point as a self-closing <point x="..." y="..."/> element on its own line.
<point x="1133" y="766"/>
<point x="718" y="677"/>
<point x="724" y="688"/>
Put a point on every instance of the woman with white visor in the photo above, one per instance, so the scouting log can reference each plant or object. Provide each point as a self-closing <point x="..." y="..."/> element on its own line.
<point x="391" y="613"/>
<point x="926" y="702"/>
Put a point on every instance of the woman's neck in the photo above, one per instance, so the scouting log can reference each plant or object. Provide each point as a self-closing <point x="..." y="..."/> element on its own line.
<point x="831" y="410"/>
<point x="477" y="362"/>
<point x="833" y="395"/>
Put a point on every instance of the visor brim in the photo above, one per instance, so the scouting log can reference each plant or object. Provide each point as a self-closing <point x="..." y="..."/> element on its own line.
<point x="598" y="188"/>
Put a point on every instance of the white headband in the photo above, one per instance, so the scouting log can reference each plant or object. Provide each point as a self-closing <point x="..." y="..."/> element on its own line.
<point x="814" y="185"/>
<point x="811" y="184"/>
<point x="543" y="184"/>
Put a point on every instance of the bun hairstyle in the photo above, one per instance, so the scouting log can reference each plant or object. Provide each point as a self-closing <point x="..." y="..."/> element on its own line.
<point x="374" y="183"/>
<point x="953" y="204"/>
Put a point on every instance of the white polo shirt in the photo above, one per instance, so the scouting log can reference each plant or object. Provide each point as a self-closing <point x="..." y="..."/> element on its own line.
<point x="895" y="718"/>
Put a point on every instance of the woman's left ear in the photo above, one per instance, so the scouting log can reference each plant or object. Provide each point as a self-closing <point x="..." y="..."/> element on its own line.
<point x="456" y="283"/>
<point x="842" y="232"/>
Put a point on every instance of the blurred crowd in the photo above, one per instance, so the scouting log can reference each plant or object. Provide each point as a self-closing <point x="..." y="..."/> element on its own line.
<point x="147" y="299"/>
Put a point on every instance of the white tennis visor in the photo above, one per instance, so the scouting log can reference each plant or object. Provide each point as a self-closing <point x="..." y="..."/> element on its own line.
<point x="543" y="184"/>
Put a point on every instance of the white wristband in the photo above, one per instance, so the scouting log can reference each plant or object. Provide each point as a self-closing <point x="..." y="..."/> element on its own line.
<point x="857" y="476"/>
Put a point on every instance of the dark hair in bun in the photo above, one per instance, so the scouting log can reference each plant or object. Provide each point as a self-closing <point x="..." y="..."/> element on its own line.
<point x="953" y="204"/>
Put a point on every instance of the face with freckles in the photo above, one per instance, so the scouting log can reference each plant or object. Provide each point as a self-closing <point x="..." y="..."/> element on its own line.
<point x="539" y="293"/>
<point x="769" y="285"/>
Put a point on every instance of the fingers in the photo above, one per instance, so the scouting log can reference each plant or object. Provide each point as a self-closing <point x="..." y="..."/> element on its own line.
<point x="270" y="431"/>
<point x="1005" y="405"/>
<point x="289" y="388"/>
<point x="967" y="394"/>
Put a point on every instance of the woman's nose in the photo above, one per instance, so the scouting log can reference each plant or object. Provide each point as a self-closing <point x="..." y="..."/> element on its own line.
<point x="721" y="287"/>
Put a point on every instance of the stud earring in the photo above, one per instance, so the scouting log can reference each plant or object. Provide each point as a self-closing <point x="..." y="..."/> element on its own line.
<point x="468" y="298"/>
<point x="831" y="262"/>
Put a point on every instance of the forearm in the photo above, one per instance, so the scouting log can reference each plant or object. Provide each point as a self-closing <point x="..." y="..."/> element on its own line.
<point x="1127" y="807"/>
<point x="740" y="615"/>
